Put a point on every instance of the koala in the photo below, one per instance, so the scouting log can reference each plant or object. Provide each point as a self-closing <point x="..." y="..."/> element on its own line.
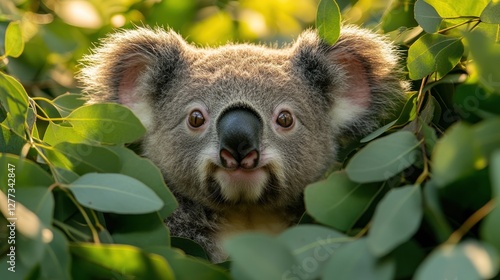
<point x="240" y="130"/>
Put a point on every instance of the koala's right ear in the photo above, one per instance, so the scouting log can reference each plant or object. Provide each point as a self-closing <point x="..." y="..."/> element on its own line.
<point x="124" y="67"/>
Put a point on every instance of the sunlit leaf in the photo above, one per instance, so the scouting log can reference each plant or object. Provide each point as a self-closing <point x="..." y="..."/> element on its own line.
<point x="15" y="101"/>
<point x="491" y="14"/>
<point x="14" y="43"/>
<point x="115" y="193"/>
<point x="486" y="55"/>
<point x="398" y="15"/>
<point x="427" y="17"/>
<point x="106" y="261"/>
<point x="106" y="123"/>
<point x="433" y="53"/>
<point x="452" y="9"/>
<point x="383" y="158"/>
<point x="328" y="21"/>
<point x="397" y="217"/>
<point x="66" y="103"/>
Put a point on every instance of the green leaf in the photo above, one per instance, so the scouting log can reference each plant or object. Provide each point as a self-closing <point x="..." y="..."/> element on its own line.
<point x="312" y="246"/>
<point x="139" y="230"/>
<point x="39" y="200"/>
<point x="452" y="9"/>
<point x="377" y="132"/>
<point x="486" y="55"/>
<point x="328" y="21"/>
<point x="106" y="123"/>
<point x="15" y="101"/>
<point x="491" y="14"/>
<point x="490" y="228"/>
<point x="487" y="136"/>
<point x="409" y="111"/>
<point x="427" y="17"/>
<point x="27" y="172"/>
<point x="383" y="158"/>
<point x="56" y="262"/>
<point x="455" y="155"/>
<point x="14" y="43"/>
<point x="354" y="261"/>
<point x="145" y="171"/>
<point x="66" y="103"/>
<point x="110" y="261"/>
<point x="398" y="15"/>
<point x="115" y="193"/>
<point x="254" y="250"/>
<point x="10" y="142"/>
<point x="397" y="217"/>
<point x="189" y="268"/>
<point x="434" y="53"/>
<point x="55" y="134"/>
<point x="82" y="158"/>
<point x="468" y="260"/>
<point x="339" y="202"/>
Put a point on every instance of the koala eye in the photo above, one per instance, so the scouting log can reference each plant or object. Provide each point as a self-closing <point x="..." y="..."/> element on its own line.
<point x="284" y="119"/>
<point x="196" y="119"/>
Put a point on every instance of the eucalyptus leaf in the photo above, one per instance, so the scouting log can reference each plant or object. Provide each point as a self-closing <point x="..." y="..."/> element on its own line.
<point x="14" y="99"/>
<point x="339" y="202"/>
<point x="491" y="14"/>
<point x="427" y="17"/>
<point x="354" y="261"/>
<point x="66" y="103"/>
<point x="252" y="250"/>
<point x="433" y="53"/>
<point x="106" y="123"/>
<point x="451" y="9"/>
<point x="14" y="43"/>
<point x="123" y="261"/>
<point x="468" y="260"/>
<point x="57" y="259"/>
<point x="115" y="193"/>
<point x="383" y="158"/>
<point x="328" y="21"/>
<point x="396" y="219"/>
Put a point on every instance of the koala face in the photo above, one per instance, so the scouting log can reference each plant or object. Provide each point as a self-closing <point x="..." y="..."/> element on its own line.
<point x="245" y="124"/>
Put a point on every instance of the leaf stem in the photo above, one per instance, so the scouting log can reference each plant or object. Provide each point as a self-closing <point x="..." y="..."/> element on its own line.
<point x="457" y="235"/>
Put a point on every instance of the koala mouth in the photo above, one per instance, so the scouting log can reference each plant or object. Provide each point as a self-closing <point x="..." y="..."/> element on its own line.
<point x="240" y="184"/>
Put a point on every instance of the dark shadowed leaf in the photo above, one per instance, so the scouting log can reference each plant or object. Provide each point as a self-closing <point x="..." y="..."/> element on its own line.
<point x="491" y="14"/>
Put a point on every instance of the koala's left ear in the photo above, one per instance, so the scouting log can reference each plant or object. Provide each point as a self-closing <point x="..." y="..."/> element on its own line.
<point x="359" y="76"/>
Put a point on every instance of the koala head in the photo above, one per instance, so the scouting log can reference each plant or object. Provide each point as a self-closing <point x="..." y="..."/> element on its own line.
<point x="245" y="124"/>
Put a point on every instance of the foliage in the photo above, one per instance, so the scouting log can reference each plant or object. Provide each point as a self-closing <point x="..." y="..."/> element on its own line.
<point x="417" y="198"/>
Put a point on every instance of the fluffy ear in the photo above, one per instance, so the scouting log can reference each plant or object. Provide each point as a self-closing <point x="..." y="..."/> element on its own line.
<point x="358" y="77"/>
<point x="131" y="67"/>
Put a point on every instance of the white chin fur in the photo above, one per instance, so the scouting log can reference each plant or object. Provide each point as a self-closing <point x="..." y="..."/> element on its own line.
<point x="242" y="185"/>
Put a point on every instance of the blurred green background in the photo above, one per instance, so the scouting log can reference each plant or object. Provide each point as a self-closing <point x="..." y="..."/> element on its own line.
<point x="59" y="32"/>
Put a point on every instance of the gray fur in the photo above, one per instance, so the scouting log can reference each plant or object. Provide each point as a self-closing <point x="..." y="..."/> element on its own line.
<point x="333" y="92"/>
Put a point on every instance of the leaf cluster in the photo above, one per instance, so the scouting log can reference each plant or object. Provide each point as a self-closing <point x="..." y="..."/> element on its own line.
<point x="417" y="198"/>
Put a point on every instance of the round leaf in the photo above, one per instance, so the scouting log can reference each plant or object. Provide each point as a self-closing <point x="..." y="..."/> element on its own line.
<point x="106" y="123"/>
<point x="434" y="53"/>
<point x="328" y="21"/>
<point x="469" y="260"/>
<point x="354" y="261"/>
<point x="251" y="251"/>
<point x="491" y="14"/>
<point x="115" y="193"/>
<point x="14" y="43"/>
<point x="339" y="202"/>
<point x="427" y="17"/>
<point x="383" y="158"/>
<point x="397" y="217"/>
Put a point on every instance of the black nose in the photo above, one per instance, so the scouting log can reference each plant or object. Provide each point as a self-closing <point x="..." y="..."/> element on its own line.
<point x="239" y="133"/>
